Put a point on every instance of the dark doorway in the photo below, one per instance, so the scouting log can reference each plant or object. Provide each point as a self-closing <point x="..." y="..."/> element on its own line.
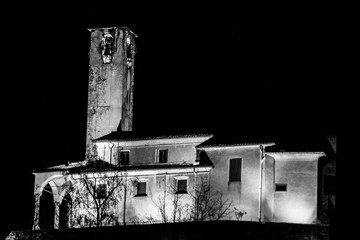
<point x="47" y="209"/>
<point x="64" y="212"/>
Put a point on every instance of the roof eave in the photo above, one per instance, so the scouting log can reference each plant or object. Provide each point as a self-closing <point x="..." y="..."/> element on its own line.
<point x="239" y="145"/>
<point x="131" y="139"/>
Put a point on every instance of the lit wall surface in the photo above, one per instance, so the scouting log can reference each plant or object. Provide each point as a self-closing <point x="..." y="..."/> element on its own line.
<point x="298" y="204"/>
<point x="244" y="193"/>
<point x="146" y="151"/>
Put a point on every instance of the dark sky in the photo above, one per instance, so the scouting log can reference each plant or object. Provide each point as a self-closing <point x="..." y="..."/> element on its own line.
<point x="226" y="69"/>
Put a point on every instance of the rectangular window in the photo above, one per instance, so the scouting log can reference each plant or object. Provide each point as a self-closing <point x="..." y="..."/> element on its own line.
<point x="163" y="156"/>
<point x="280" y="187"/>
<point x="124" y="157"/>
<point x="181" y="186"/>
<point x="141" y="189"/>
<point x="235" y="170"/>
<point x="198" y="154"/>
<point x="100" y="191"/>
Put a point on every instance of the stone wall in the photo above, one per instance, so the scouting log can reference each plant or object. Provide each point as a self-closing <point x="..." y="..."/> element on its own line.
<point x="110" y="90"/>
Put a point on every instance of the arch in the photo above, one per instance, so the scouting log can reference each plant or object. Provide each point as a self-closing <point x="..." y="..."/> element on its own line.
<point x="65" y="190"/>
<point x="47" y="208"/>
<point x="43" y="184"/>
<point x="54" y="191"/>
<point x="65" y="212"/>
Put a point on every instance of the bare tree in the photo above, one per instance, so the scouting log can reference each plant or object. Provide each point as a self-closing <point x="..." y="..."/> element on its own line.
<point x="96" y="198"/>
<point x="202" y="203"/>
<point x="169" y="202"/>
<point x="208" y="204"/>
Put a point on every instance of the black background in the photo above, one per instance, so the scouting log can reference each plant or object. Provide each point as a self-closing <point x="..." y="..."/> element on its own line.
<point x="198" y="68"/>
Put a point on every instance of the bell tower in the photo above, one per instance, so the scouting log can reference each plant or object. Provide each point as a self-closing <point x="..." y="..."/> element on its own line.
<point x="111" y="81"/>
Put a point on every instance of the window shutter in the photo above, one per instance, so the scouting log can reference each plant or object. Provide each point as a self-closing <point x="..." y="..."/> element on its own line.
<point x="124" y="157"/>
<point x="182" y="186"/>
<point x="141" y="188"/>
<point x="163" y="156"/>
<point x="235" y="170"/>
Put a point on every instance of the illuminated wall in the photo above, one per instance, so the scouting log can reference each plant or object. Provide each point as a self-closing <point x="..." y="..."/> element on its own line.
<point x="296" y="172"/>
<point x="297" y="202"/>
<point x="161" y="190"/>
<point x="159" y="194"/>
<point x="268" y="189"/>
<point x="244" y="193"/>
<point x="289" y="183"/>
<point x="146" y="151"/>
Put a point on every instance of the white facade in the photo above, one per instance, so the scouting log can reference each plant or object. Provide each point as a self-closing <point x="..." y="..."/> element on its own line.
<point x="132" y="207"/>
<point x="158" y="176"/>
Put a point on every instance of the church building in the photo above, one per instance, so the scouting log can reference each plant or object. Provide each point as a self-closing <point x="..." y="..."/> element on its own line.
<point x="129" y="177"/>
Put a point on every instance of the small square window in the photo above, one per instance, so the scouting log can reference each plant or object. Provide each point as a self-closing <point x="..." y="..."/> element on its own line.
<point x="163" y="156"/>
<point x="281" y="187"/>
<point x="101" y="191"/>
<point x="181" y="186"/>
<point x="141" y="189"/>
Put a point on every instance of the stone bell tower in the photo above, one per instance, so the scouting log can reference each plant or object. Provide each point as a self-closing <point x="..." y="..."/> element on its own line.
<point x="111" y="80"/>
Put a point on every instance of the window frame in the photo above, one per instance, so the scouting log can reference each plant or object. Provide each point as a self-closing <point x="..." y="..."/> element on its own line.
<point x="240" y="172"/>
<point x="136" y="188"/>
<point x="119" y="157"/>
<point x="101" y="191"/>
<point x="178" y="179"/>
<point x="158" y="155"/>
<point x="279" y="187"/>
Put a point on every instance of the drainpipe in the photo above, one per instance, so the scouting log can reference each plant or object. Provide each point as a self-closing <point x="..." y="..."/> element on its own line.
<point x="262" y="159"/>
<point x="124" y="211"/>
<point x="195" y="177"/>
<point x="112" y="146"/>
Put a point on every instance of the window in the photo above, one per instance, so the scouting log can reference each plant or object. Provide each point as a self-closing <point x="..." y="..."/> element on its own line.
<point x="181" y="186"/>
<point x="101" y="191"/>
<point x="280" y="187"/>
<point x="141" y="189"/>
<point x="198" y="152"/>
<point x="123" y="157"/>
<point x="163" y="156"/>
<point x="235" y="170"/>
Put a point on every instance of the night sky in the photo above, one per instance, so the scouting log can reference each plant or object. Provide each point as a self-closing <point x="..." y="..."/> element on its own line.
<point x="225" y="70"/>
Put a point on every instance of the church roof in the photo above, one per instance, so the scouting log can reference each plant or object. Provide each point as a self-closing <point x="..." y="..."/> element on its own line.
<point x="274" y="141"/>
<point x="134" y="136"/>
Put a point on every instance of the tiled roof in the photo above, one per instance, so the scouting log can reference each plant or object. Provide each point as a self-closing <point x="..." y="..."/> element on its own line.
<point x="134" y="136"/>
<point x="99" y="165"/>
<point x="235" y="139"/>
<point x="233" y="144"/>
<point x="291" y="141"/>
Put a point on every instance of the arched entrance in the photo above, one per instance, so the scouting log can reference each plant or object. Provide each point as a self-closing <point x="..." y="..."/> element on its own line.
<point x="47" y="209"/>
<point x="65" y="211"/>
